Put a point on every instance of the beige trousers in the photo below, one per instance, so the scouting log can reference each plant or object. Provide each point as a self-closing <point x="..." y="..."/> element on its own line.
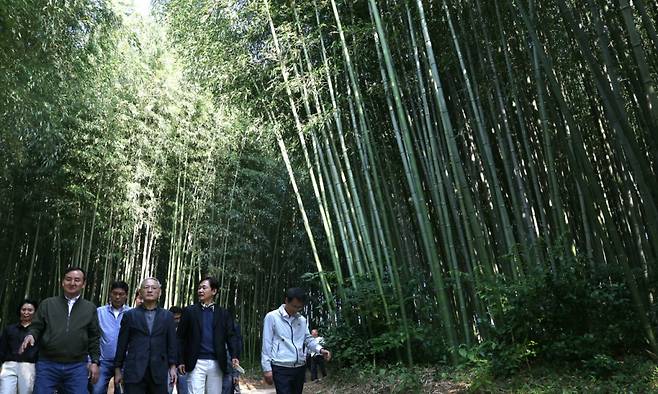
<point x="205" y="378"/>
<point x="16" y="378"/>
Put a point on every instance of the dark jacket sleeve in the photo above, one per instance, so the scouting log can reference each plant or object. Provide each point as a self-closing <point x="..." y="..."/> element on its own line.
<point x="94" y="335"/>
<point x="232" y="340"/>
<point x="39" y="321"/>
<point x="182" y="334"/>
<point x="238" y="339"/>
<point x="4" y="345"/>
<point x="172" y="340"/>
<point x="122" y="341"/>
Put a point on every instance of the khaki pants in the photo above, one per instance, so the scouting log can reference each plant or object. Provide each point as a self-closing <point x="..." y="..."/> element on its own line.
<point x="16" y="378"/>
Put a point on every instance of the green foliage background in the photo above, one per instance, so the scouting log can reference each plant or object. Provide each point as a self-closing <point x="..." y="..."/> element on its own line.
<point x="466" y="181"/>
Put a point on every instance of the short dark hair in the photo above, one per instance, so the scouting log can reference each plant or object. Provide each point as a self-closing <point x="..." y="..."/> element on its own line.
<point x="176" y="309"/>
<point x="214" y="283"/>
<point x="296" y="293"/>
<point x="71" y="269"/>
<point x="26" y="301"/>
<point x="119" y="284"/>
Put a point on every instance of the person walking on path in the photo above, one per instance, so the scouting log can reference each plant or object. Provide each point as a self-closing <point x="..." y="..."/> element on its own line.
<point x="285" y="339"/>
<point x="317" y="360"/>
<point x="109" y="319"/>
<point x="205" y="333"/>
<point x="17" y="370"/>
<point x="231" y="382"/>
<point x="146" y="349"/>
<point x="181" y="380"/>
<point x="66" y="328"/>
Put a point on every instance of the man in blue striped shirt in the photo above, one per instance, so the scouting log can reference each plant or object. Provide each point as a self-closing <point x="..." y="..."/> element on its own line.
<point x="109" y="318"/>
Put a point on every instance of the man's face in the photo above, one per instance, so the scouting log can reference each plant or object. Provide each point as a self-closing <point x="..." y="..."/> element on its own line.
<point x="294" y="306"/>
<point x="314" y="333"/>
<point x="118" y="298"/>
<point x="73" y="283"/>
<point x="205" y="292"/>
<point x="177" y="317"/>
<point x="150" y="290"/>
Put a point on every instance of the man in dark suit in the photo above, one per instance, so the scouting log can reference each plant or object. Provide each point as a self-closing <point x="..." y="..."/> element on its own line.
<point x="147" y="347"/>
<point x="205" y="332"/>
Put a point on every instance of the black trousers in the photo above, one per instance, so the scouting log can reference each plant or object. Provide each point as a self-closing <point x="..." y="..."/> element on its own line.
<point x="288" y="380"/>
<point x="317" y="361"/>
<point x="147" y="385"/>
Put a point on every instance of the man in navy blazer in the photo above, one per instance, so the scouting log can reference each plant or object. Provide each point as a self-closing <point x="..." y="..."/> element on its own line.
<point x="147" y="347"/>
<point x="205" y="332"/>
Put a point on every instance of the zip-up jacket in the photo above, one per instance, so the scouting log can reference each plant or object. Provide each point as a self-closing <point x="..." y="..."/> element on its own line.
<point x="109" y="327"/>
<point x="66" y="338"/>
<point x="285" y="339"/>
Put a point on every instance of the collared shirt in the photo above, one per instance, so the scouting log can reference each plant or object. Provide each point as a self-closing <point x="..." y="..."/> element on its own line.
<point x="11" y="340"/>
<point x="71" y="302"/>
<point x="285" y="339"/>
<point x="207" y="350"/>
<point x="110" y="323"/>
<point x="150" y="318"/>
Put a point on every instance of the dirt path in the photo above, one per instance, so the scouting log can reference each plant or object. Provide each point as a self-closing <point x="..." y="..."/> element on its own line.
<point x="258" y="391"/>
<point x="249" y="386"/>
<point x="245" y="390"/>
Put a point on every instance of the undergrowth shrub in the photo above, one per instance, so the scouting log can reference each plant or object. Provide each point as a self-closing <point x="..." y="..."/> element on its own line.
<point x="362" y="334"/>
<point x="575" y="314"/>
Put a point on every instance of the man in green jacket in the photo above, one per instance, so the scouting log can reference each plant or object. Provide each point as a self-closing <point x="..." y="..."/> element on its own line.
<point x="67" y="329"/>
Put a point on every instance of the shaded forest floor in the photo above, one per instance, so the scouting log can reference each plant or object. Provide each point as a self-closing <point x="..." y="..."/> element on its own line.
<point x="633" y="375"/>
<point x="344" y="385"/>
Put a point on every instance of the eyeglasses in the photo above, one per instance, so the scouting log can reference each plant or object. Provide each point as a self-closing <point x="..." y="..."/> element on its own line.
<point x="147" y="287"/>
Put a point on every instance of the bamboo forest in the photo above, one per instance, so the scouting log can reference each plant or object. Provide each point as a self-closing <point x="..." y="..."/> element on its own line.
<point x="458" y="183"/>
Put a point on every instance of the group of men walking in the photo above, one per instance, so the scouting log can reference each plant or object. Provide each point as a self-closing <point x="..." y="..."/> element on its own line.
<point x="67" y="345"/>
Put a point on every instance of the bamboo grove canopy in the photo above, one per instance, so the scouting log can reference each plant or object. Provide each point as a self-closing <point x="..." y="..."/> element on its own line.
<point x="421" y="149"/>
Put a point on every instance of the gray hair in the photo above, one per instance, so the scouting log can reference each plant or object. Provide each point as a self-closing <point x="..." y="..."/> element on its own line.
<point x="141" y="285"/>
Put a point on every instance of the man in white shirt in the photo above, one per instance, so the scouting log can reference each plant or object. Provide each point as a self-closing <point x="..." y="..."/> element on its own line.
<point x="285" y="339"/>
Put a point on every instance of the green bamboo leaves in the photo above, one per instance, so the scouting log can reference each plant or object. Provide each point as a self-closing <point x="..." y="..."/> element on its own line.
<point x="421" y="152"/>
<point x="487" y="144"/>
